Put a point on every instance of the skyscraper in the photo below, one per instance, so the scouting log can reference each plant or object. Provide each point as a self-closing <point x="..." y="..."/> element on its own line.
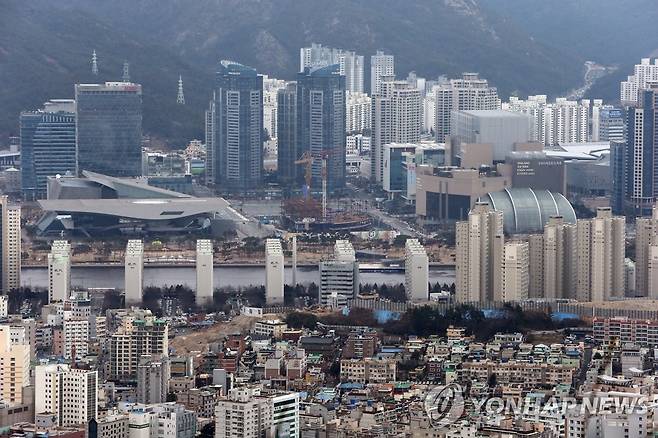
<point x="351" y="65"/>
<point x="644" y="73"/>
<point x="287" y="146"/>
<point x="10" y="245"/>
<point x="381" y="65"/>
<point x="641" y="154"/>
<point x="515" y="276"/>
<point x="321" y="123"/>
<point x="479" y="246"/>
<point x="47" y="145"/>
<point x="236" y="150"/>
<point x="646" y="237"/>
<point x="396" y="118"/>
<point x="468" y="93"/>
<point x="109" y="128"/>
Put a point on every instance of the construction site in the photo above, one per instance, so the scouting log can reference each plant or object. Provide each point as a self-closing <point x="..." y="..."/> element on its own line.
<point x="305" y="212"/>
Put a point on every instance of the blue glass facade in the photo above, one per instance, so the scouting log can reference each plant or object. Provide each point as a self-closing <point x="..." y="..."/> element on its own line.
<point x="321" y="123"/>
<point x="48" y="148"/>
<point x="238" y="128"/>
<point x="109" y="128"/>
<point x="641" y="155"/>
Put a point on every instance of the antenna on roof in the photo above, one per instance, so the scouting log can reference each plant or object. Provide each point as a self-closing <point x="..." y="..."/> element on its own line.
<point x="94" y="63"/>
<point x="126" y="72"/>
<point x="180" y="99"/>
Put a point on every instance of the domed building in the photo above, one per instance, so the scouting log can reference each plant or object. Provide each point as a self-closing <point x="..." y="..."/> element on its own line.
<point x="526" y="211"/>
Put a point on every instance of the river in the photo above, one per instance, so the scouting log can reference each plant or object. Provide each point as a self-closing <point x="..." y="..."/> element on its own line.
<point x="236" y="276"/>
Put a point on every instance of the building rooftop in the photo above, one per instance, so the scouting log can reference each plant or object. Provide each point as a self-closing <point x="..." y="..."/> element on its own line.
<point x="527" y="211"/>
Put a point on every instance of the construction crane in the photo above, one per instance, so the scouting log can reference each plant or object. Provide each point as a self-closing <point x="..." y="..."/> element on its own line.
<point x="307" y="160"/>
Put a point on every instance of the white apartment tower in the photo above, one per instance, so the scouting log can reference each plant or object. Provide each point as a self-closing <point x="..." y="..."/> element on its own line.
<point x="515" y="275"/>
<point x="10" y="245"/>
<point x="70" y="394"/>
<point x="204" y="272"/>
<point x="479" y="247"/>
<point x="76" y="337"/>
<point x="358" y="113"/>
<point x="564" y="121"/>
<point x="351" y="65"/>
<point x="643" y="73"/>
<point x="416" y="271"/>
<point x="607" y="255"/>
<point x="468" y="93"/>
<point x="559" y="244"/>
<point x="646" y="236"/>
<point x="59" y="271"/>
<point x="15" y="369"/>
<point x="396" y="118"/>
<point x="339" y="277"/>
<point x="274" y="272"/>
<point x="134" y="272"/>
<point x="652" y="272"/>
<point x="381" y="65"/>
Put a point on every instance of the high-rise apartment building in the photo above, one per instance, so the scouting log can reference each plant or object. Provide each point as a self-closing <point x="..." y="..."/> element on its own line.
<point x="204" y="271"/>
<point x="643" y="74"/>
<point x="479" y="247"/>
<point x="641" y="154"/>
<point x="416" y="271"/>
<point x="59" y="271"/>
<point x="15" y="366"/>
<point x="558" y="249"/>
<point x="396" y="118"/>
<point x="358" y="113"/>
<point x="381" y="65"/>
<point x="153" y="374"/>
<point x="134" y="272"/>
<point x="109" y="128"/>
<point x="339" y="277"/>
<point x="271" y="88"/>
<point x="75" y="332"/>
<point x="139" y="334"/>
<point x="235" y="152"/>
<point x="516" y="275"/>
<point x="274" y="272"/>
<point x="321" y="124"/>
<point x="468" y="93"/>
<point x="351" y="65"/>
<point x="646" y="239"/>
<point x="48" y="145"/>
<point x="563" y="121"/>
<point x="288" y="149"/>
<point x="71" y="395"/>
<point x="10" y="245"/>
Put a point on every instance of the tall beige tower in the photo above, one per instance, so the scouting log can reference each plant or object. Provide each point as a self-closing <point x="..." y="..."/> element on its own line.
<point x="646" y="235"/>
<point x="536" y="266"/>
<point x="652" y="272"/>
<point x="515" y="271"/>
<point x="559" y="245"/>
<point x="10" y="246"/>
<point x="479" y="255"/>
